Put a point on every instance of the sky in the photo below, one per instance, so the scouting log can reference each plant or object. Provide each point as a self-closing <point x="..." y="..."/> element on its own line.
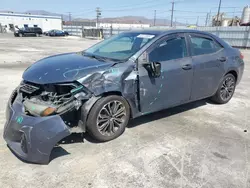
<point x="186" y="11"/>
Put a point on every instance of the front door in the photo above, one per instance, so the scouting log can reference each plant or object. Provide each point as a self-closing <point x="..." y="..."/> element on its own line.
<point x="173" y="86"/>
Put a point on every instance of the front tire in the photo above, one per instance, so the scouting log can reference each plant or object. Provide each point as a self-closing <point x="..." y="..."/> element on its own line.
<point x="108" y="118"/>
<point x="226" y="90"/>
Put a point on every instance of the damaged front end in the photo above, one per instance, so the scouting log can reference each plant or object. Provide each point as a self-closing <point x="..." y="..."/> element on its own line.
<point x="53" y="99"/>
<point x="39" y="116"/>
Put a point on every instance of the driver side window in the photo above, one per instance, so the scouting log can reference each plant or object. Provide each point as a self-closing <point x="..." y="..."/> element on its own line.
<point x="169" y="49"/>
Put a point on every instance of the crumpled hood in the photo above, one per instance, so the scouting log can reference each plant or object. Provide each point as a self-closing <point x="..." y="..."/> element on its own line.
<point x="63" y="68"/>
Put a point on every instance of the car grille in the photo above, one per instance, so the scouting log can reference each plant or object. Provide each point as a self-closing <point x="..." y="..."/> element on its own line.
<point x="27" y="88"/>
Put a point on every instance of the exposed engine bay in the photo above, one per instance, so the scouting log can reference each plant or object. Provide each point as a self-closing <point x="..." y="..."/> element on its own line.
<point x="54" y="99"/>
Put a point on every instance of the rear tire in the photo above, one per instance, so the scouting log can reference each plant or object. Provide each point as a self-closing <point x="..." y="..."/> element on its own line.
<point x="226" y="90"/>
<point x="108" y="118"/>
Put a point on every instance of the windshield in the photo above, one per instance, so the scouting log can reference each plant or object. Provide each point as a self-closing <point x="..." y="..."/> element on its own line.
<point x="120" y="47"/>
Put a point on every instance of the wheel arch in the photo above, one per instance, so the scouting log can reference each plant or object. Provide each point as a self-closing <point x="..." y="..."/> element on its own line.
<point x="88" y="105"/>
<point x="111" y="93"/>
<point x="233" y="72"/>
<point x="118" y="93"/>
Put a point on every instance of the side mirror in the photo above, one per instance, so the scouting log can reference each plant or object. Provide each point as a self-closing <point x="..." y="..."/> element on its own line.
<point x="155" y="69"/>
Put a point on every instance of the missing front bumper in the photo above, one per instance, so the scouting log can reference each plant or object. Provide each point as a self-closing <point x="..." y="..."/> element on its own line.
<point x="32" y="138"/>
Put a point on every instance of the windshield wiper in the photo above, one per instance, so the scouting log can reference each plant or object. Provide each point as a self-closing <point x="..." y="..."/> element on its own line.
<point x="100" y="58"/>
<point x="95" y="57"/>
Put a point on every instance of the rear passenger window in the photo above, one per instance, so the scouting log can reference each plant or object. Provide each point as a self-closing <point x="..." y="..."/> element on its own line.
<point x="200" y="46"/>
<point x="170" y="49"/>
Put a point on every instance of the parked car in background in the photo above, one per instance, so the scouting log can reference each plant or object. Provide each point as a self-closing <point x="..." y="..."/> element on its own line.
<point x="56" y="32"/>
<point x="46" y="32"/>
<point x="28" y="31"/>
<point x="66" y="33"/>
<point x="125" y="76"/>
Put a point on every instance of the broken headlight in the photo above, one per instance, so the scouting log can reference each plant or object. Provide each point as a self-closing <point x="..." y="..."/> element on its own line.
<point x="50" y="99"/>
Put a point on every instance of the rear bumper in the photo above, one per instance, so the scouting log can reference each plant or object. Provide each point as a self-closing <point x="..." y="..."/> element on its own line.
<point x="240" y="72"/>
<point x="32" y="138"/>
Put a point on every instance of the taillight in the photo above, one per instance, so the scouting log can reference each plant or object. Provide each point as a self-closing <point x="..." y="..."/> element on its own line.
<point x="241" y="56"/>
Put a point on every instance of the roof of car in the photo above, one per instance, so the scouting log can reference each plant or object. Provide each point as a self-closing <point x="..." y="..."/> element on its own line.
<point x="162" y="31"/>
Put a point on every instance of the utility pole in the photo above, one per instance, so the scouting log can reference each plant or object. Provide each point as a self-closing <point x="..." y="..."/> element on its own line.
<point x="172" y="14"/>
<point x="62" y="21"/>
<point x="70" y="16"/>
<point x="206" y="19"/>
<point x="154" y="17"/>
<point x="98" y="15"/>
<point x="209" y="17"/>
<point x="217" y="22"/>
<point x="197" y="22"/>
<point x="70" y="21"/>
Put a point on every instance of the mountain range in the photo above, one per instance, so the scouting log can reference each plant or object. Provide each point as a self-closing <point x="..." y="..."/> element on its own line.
<point x="130" y="20"/>
<point x="123" y="19"/>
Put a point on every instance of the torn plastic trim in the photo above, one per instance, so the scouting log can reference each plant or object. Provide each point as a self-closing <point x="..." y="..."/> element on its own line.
<point x="32" y="138"/>
<point x="85" y="109"/>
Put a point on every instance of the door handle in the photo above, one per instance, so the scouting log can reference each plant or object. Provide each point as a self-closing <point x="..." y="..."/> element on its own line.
<point x="222" y="59"/>
<point x="187" y="67"/>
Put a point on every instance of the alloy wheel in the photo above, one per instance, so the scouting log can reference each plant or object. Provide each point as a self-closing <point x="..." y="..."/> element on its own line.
<point x="227" y="88"/>
<point x="111" y="117"/>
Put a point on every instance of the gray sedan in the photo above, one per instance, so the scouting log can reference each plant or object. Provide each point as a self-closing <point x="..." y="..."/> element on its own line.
<point x="123" y="77"/>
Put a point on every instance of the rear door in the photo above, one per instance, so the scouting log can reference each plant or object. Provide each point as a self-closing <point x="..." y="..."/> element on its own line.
<point x="208" y="58"/>
<point x="31" y="31"/>
<point x="173" y="87"/>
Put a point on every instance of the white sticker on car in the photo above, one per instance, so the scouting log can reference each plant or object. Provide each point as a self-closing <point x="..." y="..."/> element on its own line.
<point x="145" y="36"/>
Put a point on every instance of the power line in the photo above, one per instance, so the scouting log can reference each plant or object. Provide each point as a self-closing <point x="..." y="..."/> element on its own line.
<point x="124" y="6"/>
<point x="85" y="13"/>
<point x="131" y="5"/>
<point x="133" y="8"/>
<point x="189" y="11"/>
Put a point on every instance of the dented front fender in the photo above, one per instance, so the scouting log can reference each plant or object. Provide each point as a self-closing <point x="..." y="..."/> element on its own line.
<point x="122" y="78"/>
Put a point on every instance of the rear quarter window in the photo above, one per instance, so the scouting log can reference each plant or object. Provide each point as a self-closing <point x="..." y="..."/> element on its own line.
<point x="203" y="45"/>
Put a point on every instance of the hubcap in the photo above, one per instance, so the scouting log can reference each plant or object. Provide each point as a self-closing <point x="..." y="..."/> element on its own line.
<point x="111" y="117"/>
<point x="227" y="88"/>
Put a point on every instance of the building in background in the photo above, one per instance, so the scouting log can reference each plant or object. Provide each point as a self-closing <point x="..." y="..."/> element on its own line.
<point x="10" y="20"/>
<point x="123" y="25"/>
<point x="245" y="18"/>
